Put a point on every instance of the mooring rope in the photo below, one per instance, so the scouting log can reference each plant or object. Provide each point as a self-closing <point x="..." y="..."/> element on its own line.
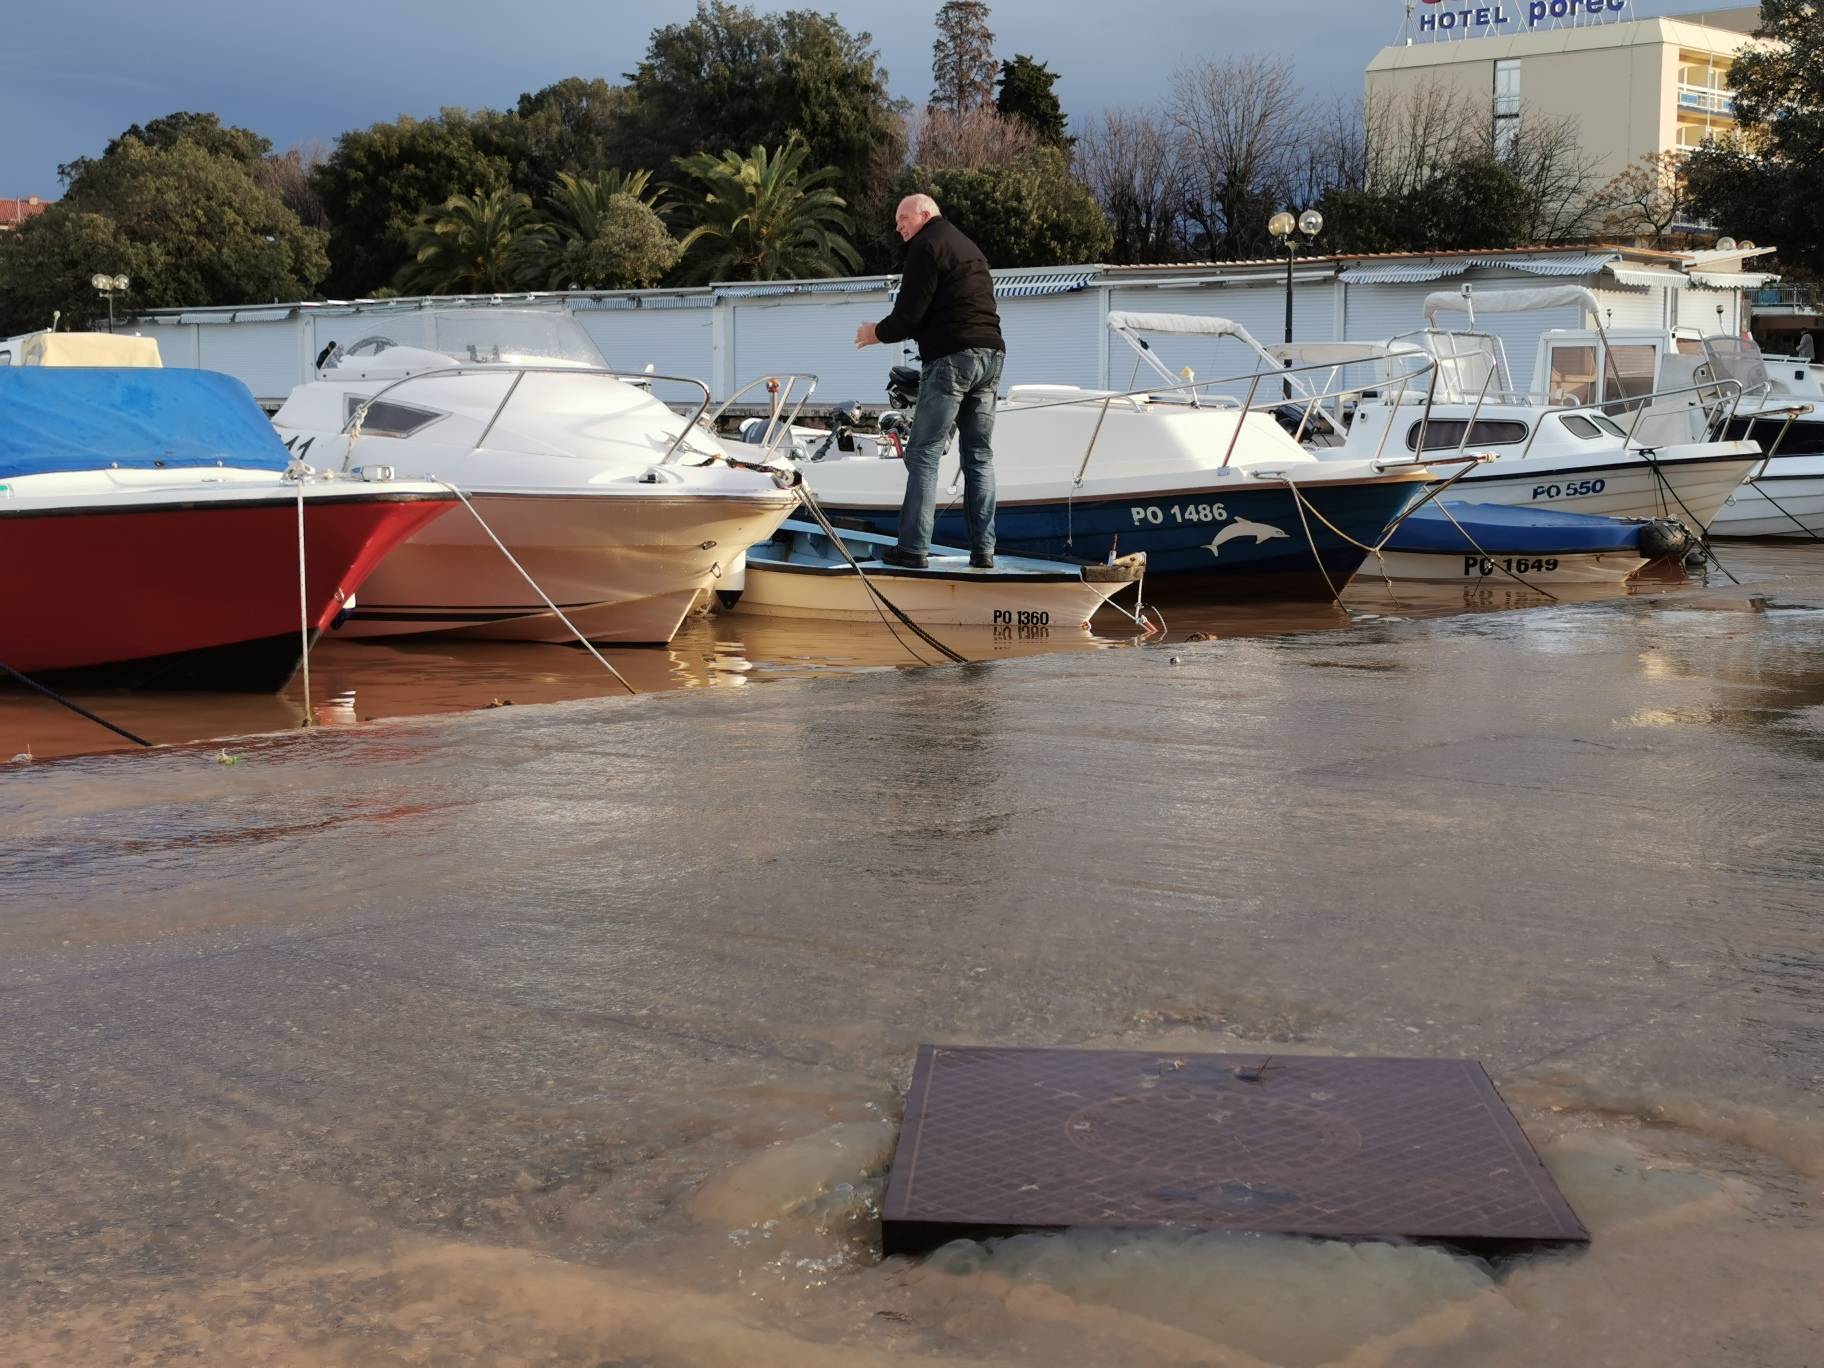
<point x="303" y="609"/>
<point x="1696" y="524"/>
<point x="588" y="645"/>
<point x="810" y="505"/>
<point x="73" y="706"/>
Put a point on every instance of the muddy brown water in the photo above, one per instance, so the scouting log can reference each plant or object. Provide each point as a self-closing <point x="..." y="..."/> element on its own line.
<point x="578" y="1033"/>
<point x="354" y="682"/>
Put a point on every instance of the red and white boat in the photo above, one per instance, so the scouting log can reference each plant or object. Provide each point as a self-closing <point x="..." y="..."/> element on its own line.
<point x="150" y="532"/>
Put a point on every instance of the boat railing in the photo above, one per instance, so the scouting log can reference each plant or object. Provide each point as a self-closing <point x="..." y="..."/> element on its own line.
<point x="1191" y="393"/>
<point x="352" y="428"/>
<point x="784" y="404"/>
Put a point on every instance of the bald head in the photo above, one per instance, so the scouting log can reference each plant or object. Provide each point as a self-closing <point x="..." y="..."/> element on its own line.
<point x="914" y="212"/>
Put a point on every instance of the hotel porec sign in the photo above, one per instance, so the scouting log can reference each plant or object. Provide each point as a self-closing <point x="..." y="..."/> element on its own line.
<point x="1500" y="15"/>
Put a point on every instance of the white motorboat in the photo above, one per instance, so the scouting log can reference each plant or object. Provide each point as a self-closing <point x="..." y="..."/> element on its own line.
<point x="1636" y="454"/>
<point x="1219" y="496"/>
<point x="1775" y="402"/>
<point x="622" y="511"/>
<point x="802" y="572"/>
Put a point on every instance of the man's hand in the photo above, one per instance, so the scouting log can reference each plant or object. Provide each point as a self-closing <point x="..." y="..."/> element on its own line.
<point x="865" y="335"/>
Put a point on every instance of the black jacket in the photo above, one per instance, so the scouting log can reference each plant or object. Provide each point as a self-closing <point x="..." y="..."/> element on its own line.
<point x="946" y="296"/>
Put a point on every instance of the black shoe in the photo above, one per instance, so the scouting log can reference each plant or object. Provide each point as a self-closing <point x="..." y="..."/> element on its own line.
<point x="981" y="560"/>
<point x="905" y="560"/>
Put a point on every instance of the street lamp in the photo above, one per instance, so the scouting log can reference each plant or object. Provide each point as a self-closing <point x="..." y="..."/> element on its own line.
<point x="109" y="286"/>
<point x="1287" y="228"/>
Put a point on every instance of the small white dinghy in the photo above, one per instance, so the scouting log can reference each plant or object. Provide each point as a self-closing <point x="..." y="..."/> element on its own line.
<point x="802" y="573"/>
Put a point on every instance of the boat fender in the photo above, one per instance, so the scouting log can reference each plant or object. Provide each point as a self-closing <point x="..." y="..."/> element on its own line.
<point x="1663" y="537"/>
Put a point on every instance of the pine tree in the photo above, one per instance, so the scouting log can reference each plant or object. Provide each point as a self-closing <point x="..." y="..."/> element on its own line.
<point x="1027" y="95"/>
<point x="962" y="58"/>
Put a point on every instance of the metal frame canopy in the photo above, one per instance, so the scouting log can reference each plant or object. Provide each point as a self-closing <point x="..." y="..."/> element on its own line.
<point x="999" y="1141"/>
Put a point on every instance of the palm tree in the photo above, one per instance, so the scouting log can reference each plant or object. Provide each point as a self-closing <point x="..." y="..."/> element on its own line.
<point x="763" y="217"/>
<point x="473" y="244"/>
<point x="604" y="233"/>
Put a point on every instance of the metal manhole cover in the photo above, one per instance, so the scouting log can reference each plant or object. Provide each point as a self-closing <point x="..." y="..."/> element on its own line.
<point x="997" y="1141"/>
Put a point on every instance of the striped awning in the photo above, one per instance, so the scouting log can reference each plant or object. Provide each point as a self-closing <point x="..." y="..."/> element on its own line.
<point x="764" y="289"/>
<point x="1403" y="275"/>
<point x="1648" y="276"/>
<point x="1410" y="273"/>
<point x="1025" y="284"/>
<point x="1732" y="280"/>
<point x="640" y="302"/>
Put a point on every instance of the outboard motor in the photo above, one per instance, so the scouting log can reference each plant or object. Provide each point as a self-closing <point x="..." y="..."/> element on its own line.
<point x="902" y="386"/>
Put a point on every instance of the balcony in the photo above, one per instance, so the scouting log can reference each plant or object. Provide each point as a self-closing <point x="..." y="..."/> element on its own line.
<point x="1699" y="99"/>
<point x="1787" y="299"/>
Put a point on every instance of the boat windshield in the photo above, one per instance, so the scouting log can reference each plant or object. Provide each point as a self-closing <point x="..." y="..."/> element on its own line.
<point x="505" y="337"/>
<point x="514" y="337"/>
<point x="1734" y="358"/>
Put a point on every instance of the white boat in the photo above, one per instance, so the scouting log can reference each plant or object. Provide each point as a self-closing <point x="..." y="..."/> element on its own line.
<point x="1219" y="496"/>
<point x="1638" y="455"/>
<point x="1775" y="402"/>
<point x="802" y="573"/>
<point x="622" y="511"/>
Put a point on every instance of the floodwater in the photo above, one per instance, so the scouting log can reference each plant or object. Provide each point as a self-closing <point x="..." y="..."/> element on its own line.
<point x="579" y="1034"/>
<point x="352" y="682"/>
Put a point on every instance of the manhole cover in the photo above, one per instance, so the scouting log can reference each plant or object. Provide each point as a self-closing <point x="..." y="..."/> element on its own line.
<point x="997" y="1141"/>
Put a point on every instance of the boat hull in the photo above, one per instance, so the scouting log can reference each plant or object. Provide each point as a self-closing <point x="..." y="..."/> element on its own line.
<point x="1692" y="489"/>
<point x="1238" y="537"/>
<point x="1605" y="567"/>
<point x="948" y="594"/>
<point x="1786" y="501"/>
<point x="623" y="566"/>
<point x="175" y="592"/>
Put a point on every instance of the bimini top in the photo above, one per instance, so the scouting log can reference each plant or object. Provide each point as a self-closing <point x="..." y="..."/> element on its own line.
<point x="54" y="420"/>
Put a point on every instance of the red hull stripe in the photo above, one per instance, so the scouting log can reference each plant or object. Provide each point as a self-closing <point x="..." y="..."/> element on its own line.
<point x="130" y="584"/>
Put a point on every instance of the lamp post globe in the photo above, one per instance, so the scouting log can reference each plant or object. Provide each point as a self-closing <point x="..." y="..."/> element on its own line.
<point x="1282" y="225"/>
<point x="1310" y="223"/>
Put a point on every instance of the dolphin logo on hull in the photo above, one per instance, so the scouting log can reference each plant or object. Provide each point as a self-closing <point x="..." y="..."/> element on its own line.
<point x="1242" y="527"/>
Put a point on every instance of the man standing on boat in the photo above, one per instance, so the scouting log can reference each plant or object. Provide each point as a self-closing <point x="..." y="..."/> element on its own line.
<point x="946" y="305"/>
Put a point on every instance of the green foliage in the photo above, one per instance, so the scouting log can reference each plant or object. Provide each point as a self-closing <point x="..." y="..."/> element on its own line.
<point x="605" y="235"/>
<point x="379" y="180"/>
<point x="1026" y="94"/>
<point x="166" y="132"/>
<point x="187" y="225"/>
<point x="764" y="217"/>
<point x="574" y="125"/>
<point x="962" y="58"/>
<point x="1768" y="186"/>
<point x="1477" y="202"/>
<point x="730" y="78"/>
<point x="474" y="244"/>
<point x="1033" y="213"/>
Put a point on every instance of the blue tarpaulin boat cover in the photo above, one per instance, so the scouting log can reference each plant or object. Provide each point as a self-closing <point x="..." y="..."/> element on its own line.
<point x="1512" y="531"/>
<point x="55" y="419"/>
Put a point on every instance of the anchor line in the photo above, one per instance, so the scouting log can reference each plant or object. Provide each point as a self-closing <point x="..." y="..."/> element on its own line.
<point x="1703" y="535"/>
<point x="588" y="645"/>
<point x="1777" y="504"/>
<point x="73" y="706"/>
<point x="817" y="513"/>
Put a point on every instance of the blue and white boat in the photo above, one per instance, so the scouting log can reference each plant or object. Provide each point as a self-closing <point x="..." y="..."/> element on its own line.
<point x="801" y="572"/>
<point x="1452" y="540"/>
<point x="1220" y="498"/>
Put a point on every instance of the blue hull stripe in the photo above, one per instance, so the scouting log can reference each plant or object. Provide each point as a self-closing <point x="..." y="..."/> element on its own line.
<point x="1241" y="533"/>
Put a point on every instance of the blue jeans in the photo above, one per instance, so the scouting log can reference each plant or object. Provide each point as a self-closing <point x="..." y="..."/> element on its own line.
<point x="955" y="394"/>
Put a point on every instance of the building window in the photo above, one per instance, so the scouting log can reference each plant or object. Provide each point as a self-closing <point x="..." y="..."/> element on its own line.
<point x="1507" y="106"/>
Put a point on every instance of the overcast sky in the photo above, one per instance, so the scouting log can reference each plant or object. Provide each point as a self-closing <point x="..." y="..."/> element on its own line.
<point x="74" y="74"/>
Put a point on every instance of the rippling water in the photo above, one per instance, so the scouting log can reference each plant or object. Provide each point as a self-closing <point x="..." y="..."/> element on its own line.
<point x="579" y="1034"/>
<point x="359" y="682"/>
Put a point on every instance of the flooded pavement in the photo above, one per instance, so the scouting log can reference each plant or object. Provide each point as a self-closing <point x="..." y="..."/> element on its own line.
<point x="354" y="682"/>
<point x="579" y="1034"/>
